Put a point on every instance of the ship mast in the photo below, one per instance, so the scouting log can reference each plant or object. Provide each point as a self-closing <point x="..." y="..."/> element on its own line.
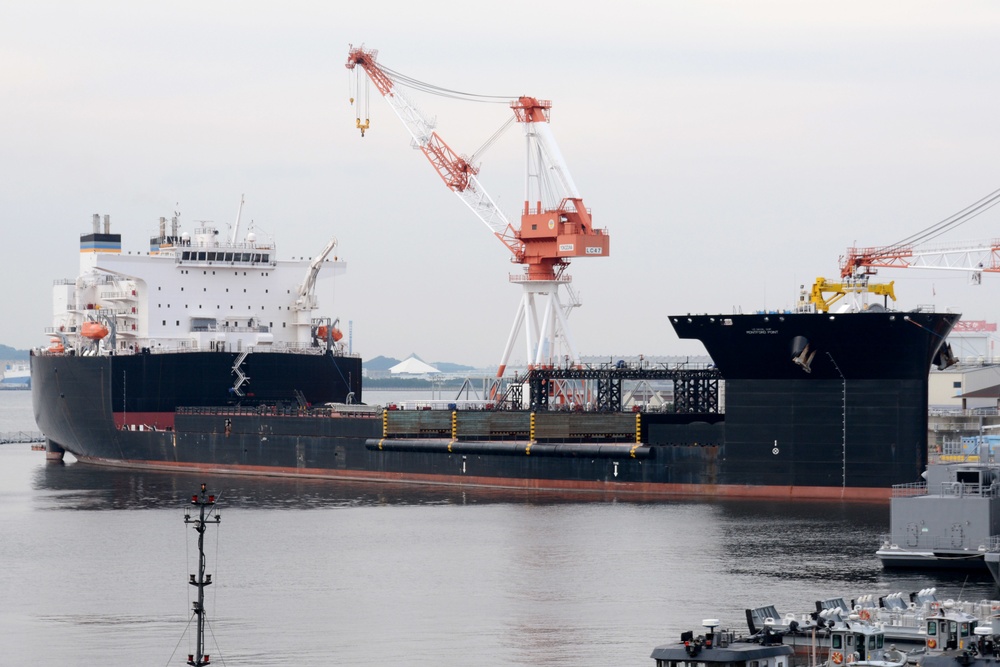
<point x="203" y="502"/>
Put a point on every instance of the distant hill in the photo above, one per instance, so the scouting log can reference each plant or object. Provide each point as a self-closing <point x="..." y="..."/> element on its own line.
<point x="447" y="367"/>
<point x="8" y="353"/>
<point x="380" y="363"/>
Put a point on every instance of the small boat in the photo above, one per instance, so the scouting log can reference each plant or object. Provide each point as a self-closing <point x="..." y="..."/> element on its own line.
<point x="835" y="636"/>
<point x="900" y="620"/>
<point x="722" y="649"/>
<point x="955" y="639"/>
<point x="830" y="640"/>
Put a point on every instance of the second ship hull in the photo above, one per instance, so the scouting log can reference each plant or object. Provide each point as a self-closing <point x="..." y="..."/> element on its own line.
<point x="851" y="432"/>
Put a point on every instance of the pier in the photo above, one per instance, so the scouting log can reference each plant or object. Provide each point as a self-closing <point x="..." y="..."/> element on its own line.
<point x="14" y="437"/>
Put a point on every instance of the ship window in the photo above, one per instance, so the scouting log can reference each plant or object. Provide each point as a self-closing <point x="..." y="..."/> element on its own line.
<point x="931" y="628"/>
<point x="871" y="643"/>
<point x="246" y="257"/>
<point x="229" y="257"/>
<point x="244" y="290"/>
<point x="185" y="255"/>
<point x="267" y="258"/>
<point x="850" y="642"/>
<point x="957" y="385"/>
<point x="204" y="289"/>
<point x="283" y="325"/>
<point x="178" y="322"/>
<point x="164" y="323"/>
<point x="837" y="641"/>
<point x="182" y="289"/>
<point x="266" y="291"/>
<point x="753" y="663"/>
<point x="201" y="256"/>
<point x="158" y="289"/>
<point x="965" y="629"/>
<point x="211" y="256"/>
<point x="227" y="289"/>
<point x="881" y="641"/>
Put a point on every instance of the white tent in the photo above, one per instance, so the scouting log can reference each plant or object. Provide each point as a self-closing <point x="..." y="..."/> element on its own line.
<point x="413" y="366"/>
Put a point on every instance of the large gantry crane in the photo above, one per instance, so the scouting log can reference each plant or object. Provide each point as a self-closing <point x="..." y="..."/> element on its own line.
<point x="555" y="223"/>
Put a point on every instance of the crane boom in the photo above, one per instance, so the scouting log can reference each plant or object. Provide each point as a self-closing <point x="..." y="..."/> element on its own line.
<point x="978" y="257"/>
<point x="456" y="172"/>
<point x="555" y="224"/>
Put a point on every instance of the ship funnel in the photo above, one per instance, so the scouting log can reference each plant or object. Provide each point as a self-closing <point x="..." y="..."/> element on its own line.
<point x="163" y="227"/>
<point x="173" y="226"/>
<point x="97" y="223"/>
<point x="107" y="223"/>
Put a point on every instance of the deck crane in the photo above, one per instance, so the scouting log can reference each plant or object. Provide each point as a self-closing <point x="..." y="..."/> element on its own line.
<point x="976" y="257"/>
<point x="555" y="223"/>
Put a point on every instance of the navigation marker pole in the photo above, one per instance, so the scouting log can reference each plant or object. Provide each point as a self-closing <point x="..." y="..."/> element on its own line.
<point x="204" y="502"/>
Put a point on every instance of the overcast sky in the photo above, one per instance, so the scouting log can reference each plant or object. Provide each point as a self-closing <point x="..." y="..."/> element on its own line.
<point x="733" y="150"/>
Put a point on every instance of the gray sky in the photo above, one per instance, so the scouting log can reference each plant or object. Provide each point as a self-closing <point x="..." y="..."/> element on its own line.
<point x="732" y="149"/>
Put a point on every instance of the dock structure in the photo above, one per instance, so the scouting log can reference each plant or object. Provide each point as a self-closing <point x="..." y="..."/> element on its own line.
<point x="14" y="437"/>
<point x="696" y="390"/>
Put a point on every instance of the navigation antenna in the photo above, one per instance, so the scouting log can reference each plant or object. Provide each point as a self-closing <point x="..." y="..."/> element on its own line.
<point x="204" y="503"/>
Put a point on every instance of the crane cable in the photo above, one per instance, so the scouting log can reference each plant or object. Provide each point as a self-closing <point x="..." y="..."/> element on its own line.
<point x="405" y="81"/>
<point x="416" y="84"/>
<point x="949" y="223"/>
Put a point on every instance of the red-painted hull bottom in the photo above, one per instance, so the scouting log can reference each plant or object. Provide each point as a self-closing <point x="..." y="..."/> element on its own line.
<point x="860" y="494"/>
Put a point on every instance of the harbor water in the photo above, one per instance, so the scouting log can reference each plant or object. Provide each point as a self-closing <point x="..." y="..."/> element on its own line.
<point x="95" y="565"/>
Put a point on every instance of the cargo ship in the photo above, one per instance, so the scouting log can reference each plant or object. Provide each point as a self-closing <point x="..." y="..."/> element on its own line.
<point x="206" y="353"/>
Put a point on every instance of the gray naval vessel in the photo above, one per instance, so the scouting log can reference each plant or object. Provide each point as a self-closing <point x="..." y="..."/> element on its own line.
<point x="949" y="521"/>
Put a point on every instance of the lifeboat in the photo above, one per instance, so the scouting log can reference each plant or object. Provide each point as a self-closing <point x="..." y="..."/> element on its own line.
<point x="335" y="333"/>
<point x="56" y="347"/>
<point x="94" y="330"/>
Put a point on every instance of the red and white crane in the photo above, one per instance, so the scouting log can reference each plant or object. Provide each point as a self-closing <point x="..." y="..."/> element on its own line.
<point x="977" y="257"/>
<point x="555" y="223"/>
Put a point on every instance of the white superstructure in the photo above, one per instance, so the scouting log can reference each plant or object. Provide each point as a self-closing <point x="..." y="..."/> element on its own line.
<point x="198" y="290"/>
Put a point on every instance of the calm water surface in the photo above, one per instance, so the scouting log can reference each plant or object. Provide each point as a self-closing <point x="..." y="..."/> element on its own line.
<point x="95" y="565"/>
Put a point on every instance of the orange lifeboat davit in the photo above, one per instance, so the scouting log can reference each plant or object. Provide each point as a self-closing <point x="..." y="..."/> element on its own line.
<point x="94" y="330"/>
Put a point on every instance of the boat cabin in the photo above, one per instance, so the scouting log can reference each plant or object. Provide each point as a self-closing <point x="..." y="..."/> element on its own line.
<point x="950" y="630"/>
<point x="722" y="649"/>
<point x="852" y="641"/>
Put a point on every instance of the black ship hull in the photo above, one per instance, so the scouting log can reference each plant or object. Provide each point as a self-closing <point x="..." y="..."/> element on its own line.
<point x="851" y="428"/>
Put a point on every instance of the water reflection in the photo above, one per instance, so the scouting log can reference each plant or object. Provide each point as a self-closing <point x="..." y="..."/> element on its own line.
<point x="74" y="485"/>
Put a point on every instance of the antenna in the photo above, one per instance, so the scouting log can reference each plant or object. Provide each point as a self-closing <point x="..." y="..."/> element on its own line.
<point x="203" y="502"/>
<point x="236" y="225"/>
